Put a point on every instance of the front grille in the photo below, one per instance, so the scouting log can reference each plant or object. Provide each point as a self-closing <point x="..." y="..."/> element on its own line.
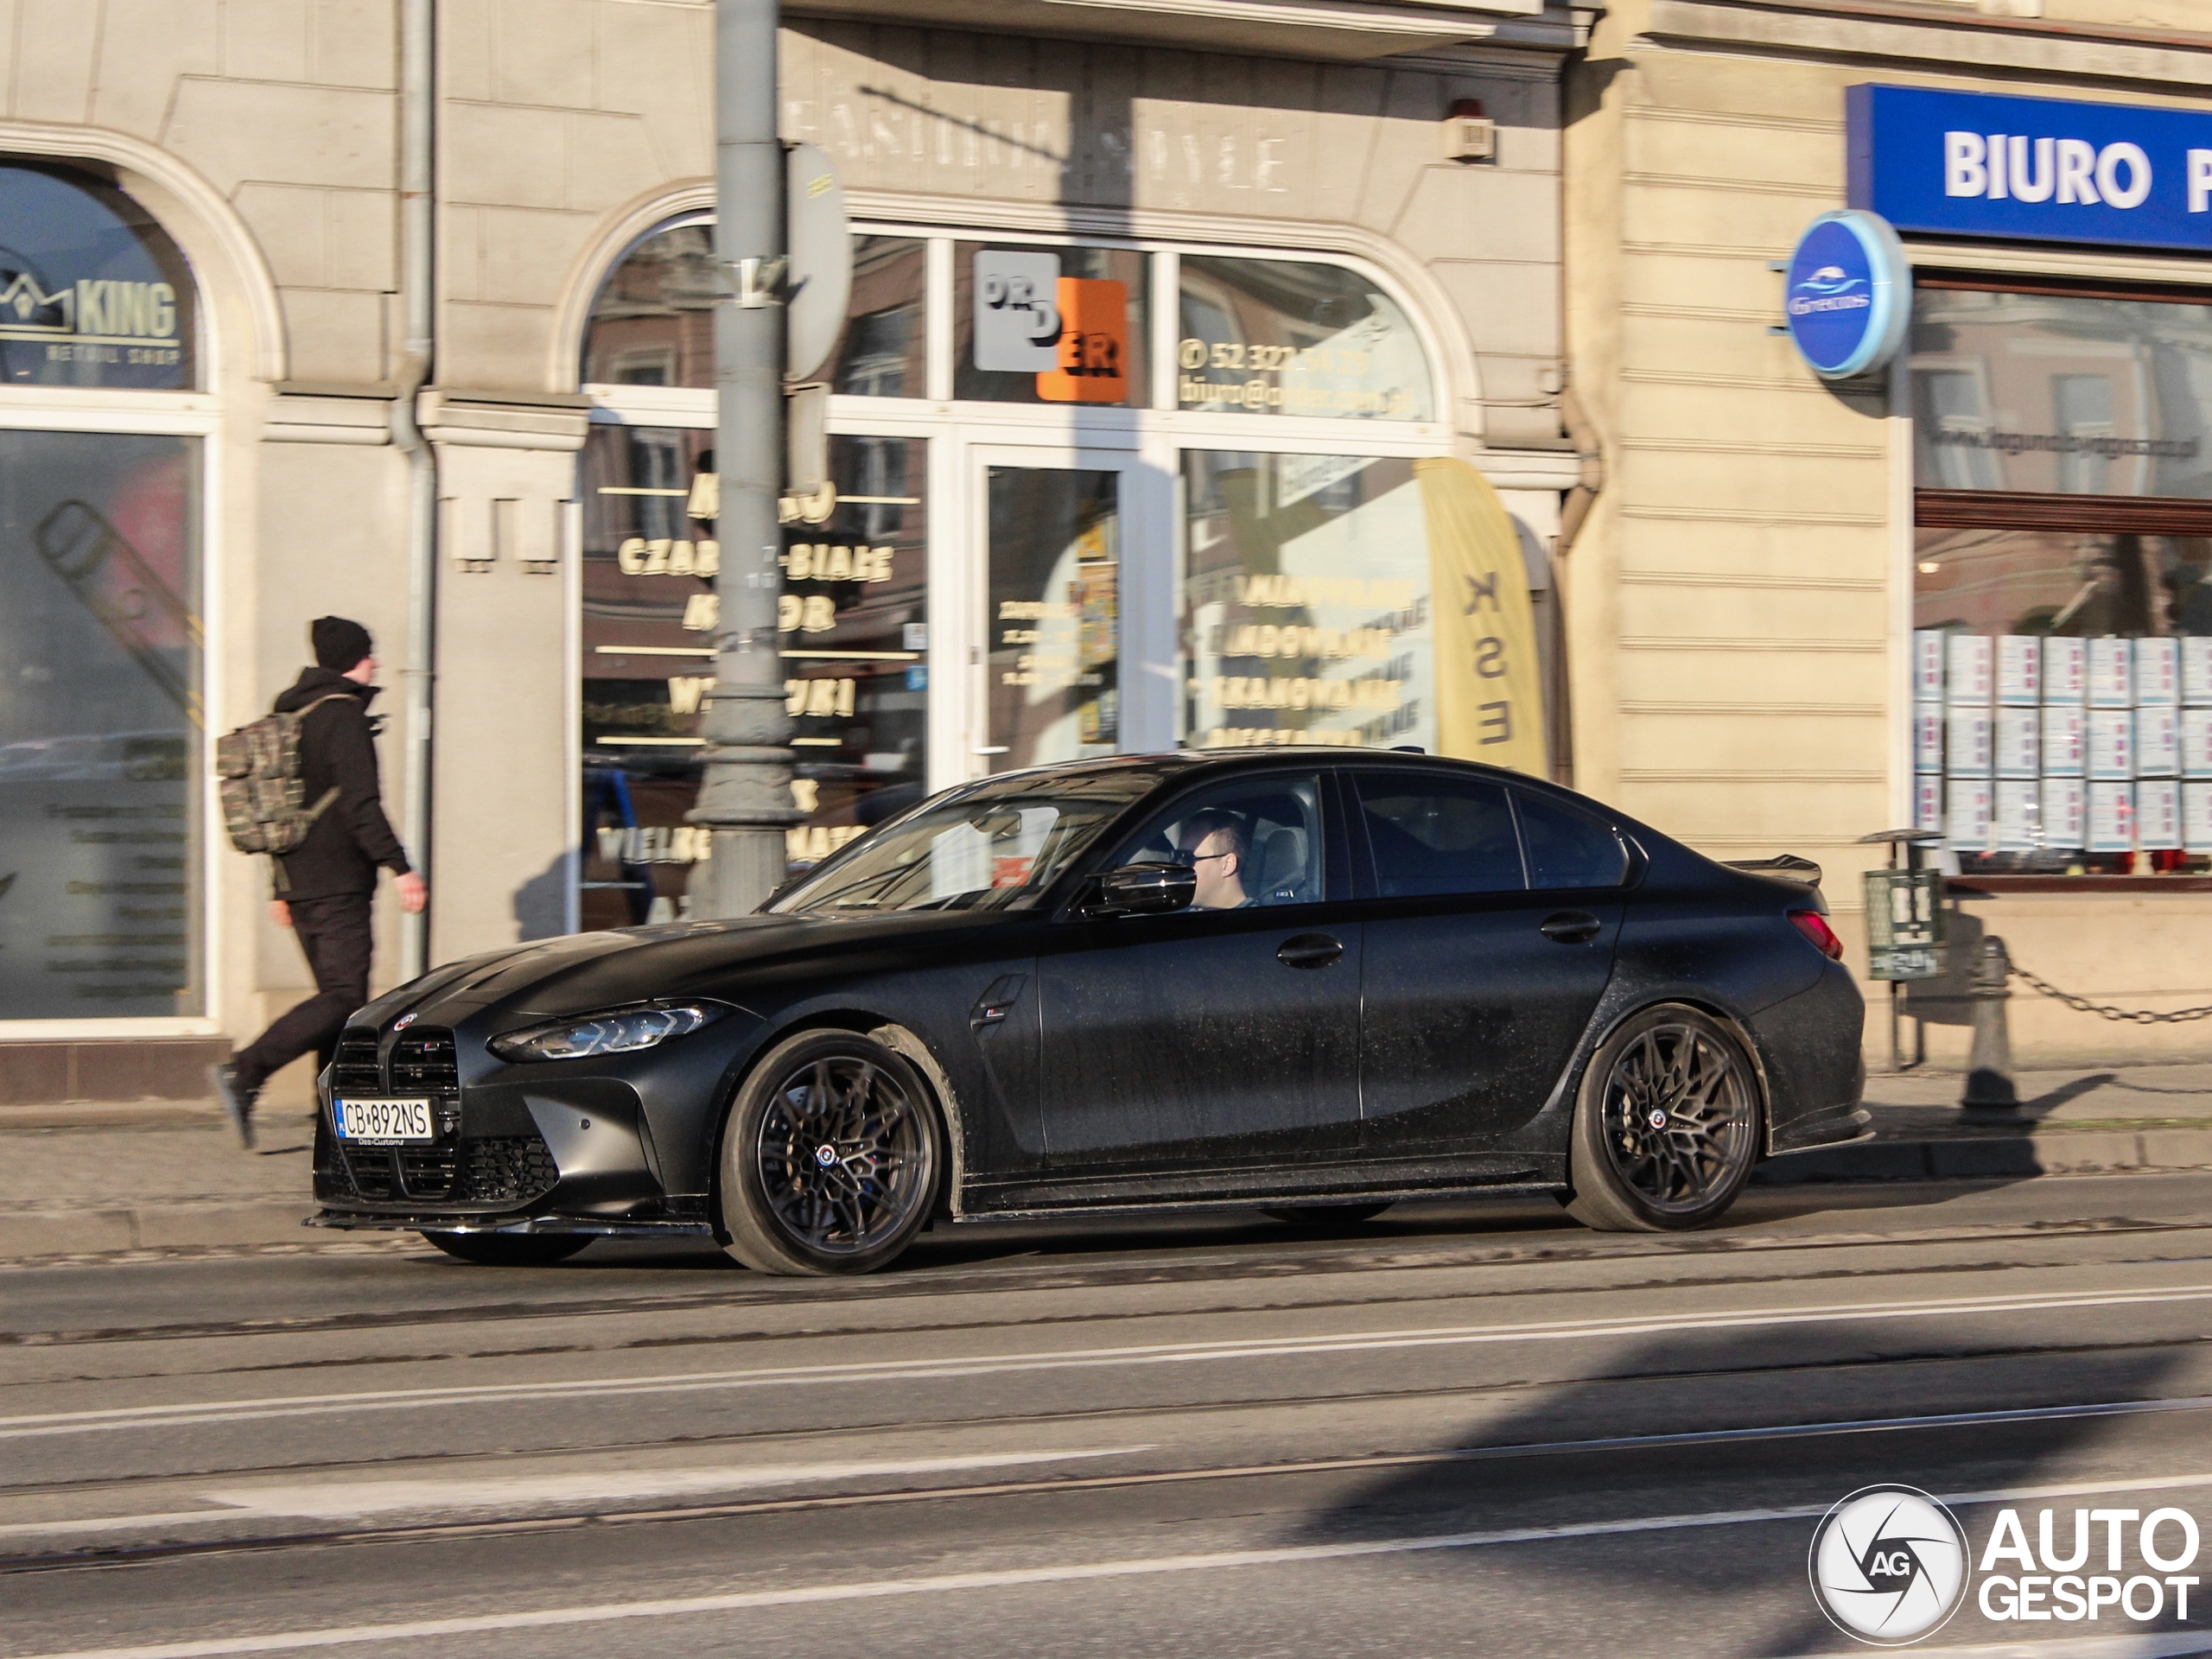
<point x="509" y="1169"/>
<point x="354" y="1068"/>
<point x="503" y="1169"/>
<point x="369" y="1169"/>
<point x="424" y="1062"/>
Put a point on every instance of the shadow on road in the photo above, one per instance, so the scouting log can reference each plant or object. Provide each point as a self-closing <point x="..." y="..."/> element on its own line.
<point x="1705" y="1577"/>
<point x="1507" y="1221"/>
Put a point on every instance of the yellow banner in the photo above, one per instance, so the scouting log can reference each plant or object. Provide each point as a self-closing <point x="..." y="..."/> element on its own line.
<point x="1490" y="700"/>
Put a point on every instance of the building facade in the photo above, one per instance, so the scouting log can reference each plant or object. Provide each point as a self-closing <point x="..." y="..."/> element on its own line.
<point x="1965" y="595"/>
<point x="1176" y="333"/>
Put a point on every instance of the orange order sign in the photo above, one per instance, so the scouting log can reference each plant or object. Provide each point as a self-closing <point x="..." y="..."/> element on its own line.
<point x="1094" y="345"/>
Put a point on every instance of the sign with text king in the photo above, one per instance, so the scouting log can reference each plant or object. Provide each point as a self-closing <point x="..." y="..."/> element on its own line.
<point x="2031" y="168"/>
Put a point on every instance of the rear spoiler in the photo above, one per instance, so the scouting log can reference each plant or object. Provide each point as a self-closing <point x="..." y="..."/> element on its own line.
<point x="1786" y="867"/>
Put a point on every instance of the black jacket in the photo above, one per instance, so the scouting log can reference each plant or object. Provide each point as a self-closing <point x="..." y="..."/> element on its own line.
<point x="337" y="748"/>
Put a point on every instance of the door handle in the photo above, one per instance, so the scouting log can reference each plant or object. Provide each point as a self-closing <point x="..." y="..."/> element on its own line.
<point x="1309" y="950"/>
<point x="1570" y="927"/>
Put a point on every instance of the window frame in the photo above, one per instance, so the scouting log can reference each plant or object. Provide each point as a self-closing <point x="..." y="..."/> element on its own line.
<point x="1631" y="854"/>
<point x="123" y="412"/>
<point x="1339" y="865"/>
<point x="1370" y="870"/>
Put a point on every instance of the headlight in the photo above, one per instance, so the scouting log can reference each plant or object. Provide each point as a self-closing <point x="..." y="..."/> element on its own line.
<point x="618" y="1031"/>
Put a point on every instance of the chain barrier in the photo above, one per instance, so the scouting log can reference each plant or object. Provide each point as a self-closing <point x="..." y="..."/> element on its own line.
<point x="2105" y="1010"/>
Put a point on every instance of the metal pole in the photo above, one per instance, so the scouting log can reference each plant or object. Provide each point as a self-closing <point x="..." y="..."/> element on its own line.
<point x="417" y="199"/>
<point x="745" y="797"/>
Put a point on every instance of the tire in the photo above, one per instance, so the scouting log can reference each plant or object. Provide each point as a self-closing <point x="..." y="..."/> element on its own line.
<point x="1632" y="1175"/>
<point x="1321" y="1215"/>
<point x="510" y="1249"/>
<point x="788" y="1209"/>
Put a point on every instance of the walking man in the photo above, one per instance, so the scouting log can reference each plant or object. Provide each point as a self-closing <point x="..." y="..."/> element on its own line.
<point x="324" y="885"/>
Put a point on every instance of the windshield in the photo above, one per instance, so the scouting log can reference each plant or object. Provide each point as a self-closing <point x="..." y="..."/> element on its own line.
<point x="995" y="846"/>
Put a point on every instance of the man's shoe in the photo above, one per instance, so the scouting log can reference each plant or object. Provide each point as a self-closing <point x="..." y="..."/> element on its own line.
<point x="237" y="1103"/>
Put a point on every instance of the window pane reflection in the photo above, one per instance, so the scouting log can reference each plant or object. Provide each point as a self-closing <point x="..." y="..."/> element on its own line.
<point x="2061" y="394"/>
<point x="1055" y="615"/>
<point x="100" y="730"/>
<point x="1294" y="337"/>
<point x="853" y="625"/>
<point x="1305" y="614"/>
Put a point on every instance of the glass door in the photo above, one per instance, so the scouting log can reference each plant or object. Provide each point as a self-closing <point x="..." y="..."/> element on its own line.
<point x="1069" y="539"/>
<point x="1053" y="665"/>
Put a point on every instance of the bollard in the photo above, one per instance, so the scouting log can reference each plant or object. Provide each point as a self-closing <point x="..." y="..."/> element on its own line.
<point x="1989" y="1067"/>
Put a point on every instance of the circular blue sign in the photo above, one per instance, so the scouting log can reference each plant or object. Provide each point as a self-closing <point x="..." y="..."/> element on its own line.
<point x="1848" y="293"/>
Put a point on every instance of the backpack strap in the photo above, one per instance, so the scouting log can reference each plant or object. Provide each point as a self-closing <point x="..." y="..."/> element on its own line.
<point x="329" y="796"/>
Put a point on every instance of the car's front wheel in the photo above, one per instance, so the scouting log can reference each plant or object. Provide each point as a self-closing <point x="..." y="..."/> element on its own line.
<point x="1666" y="1128"/>
<point x="510" y="1249"/>
<point x="829" y="1157"/>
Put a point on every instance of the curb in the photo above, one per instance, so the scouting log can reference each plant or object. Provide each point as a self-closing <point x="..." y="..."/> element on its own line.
<point x="149" y="1227"/>
<point x="27" y="1235"/>
<point x="2004" y="1157"/>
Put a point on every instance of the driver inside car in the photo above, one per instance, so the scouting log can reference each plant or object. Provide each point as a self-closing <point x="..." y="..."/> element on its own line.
<point x="1216" y="846"/>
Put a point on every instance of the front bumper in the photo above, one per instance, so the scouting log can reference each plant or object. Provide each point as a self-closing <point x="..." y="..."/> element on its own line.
<point x="435" y="1221"/>
<point x="550" y="1153"/>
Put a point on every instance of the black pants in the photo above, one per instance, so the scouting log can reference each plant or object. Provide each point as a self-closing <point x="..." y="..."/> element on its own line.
<point x="334" y="933"/>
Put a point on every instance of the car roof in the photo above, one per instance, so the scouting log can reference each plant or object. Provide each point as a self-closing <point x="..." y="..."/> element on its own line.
<point x="1174" y="763"/>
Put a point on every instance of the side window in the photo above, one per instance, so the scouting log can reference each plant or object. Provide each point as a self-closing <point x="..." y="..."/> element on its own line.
<point x="1254" y="842"/>
<point x="1566" y="850"/>
<point x="1434" y="834"/>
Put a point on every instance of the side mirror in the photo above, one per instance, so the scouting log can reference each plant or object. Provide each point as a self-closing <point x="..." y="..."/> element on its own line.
<point x="1143" y="890"/>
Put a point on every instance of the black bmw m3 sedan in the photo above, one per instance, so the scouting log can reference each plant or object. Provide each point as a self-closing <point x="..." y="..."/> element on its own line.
<point x="1309" y="981"/>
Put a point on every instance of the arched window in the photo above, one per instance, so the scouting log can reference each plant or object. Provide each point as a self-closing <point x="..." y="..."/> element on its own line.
<point x="102" y="741"/>
<point x="1083" y="495"/>
<point x="92" y="291"/>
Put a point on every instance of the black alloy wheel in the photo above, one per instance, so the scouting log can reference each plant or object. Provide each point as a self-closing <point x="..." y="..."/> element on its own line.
<point x="1667" y="1127"/>
<point x="510" y="1249"/>
<point x="829" y="1158"/>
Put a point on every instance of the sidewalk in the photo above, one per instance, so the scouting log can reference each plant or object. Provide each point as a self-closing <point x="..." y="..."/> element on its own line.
<point x="92" y="1179"/>
<point x="88" y="1179"/>
<point x="2071" y="1122"/>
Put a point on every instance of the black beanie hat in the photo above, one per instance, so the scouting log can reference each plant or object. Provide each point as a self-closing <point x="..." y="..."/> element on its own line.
<point x="338" y="644"/>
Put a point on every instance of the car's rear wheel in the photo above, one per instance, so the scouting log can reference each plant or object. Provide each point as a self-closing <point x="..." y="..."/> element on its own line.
<point x="510" y="1249"/>
<point x="1319" y="1216"/>
<point x="1667" y="1126"/>
<point x="829" y="1158"/>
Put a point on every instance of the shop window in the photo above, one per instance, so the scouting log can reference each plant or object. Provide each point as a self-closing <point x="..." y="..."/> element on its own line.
<point x="2063" y="588"/>
<point x="93" y="292"/>
<point x="1305" y="614"/>
<point x="883" y="351"/>
<point x="652" y="324"/>
<point x="101" y="776"/>
<point x="1285" y="337"/>
<point x="854" y="635"/>
<point x="1051" y="324"/>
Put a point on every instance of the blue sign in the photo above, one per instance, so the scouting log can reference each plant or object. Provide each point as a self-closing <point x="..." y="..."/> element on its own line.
<point x="2035" y="169"/>
<point x="1849" y="295"/>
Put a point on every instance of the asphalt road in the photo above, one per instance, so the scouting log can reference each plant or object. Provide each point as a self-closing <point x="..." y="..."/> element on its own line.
<point x="1458" y="1429"/>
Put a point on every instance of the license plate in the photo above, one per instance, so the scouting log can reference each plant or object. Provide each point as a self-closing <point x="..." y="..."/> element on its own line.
<point x="383" y="1119"/>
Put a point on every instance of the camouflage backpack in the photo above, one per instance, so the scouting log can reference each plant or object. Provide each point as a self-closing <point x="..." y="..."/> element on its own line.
<point x="264" y="793"/>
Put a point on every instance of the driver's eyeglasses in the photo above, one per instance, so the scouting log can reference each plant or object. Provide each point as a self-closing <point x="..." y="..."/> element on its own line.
<point x="1186" y="859"/>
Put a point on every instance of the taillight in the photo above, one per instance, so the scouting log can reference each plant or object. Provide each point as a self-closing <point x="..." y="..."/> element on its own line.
<point x="1815" y="926"/>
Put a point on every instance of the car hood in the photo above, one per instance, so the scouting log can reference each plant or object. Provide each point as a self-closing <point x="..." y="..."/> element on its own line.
<point x="582" y="972"/>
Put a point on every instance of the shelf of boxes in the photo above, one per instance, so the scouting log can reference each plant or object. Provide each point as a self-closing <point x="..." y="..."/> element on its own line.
<point x="2025" y="744"/>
